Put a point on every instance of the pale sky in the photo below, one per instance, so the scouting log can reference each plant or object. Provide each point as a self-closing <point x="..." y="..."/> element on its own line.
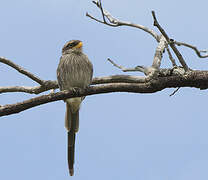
<point x="122" y="135"/>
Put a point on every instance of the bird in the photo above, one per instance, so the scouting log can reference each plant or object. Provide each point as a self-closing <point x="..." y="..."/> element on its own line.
<point x="74" y="71"/>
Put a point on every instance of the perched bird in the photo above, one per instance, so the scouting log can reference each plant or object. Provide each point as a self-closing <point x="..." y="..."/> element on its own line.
<point x="74" y="70"/>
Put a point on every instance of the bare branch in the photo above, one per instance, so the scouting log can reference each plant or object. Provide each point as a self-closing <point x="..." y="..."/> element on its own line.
<point x="101" y="8"/>
<point x="170" y="42"/>
<point x="48" y="85"/>
<point x="88" y="15"/>
<point x="156" y="62"/>
<point x="113" y="22"/>
<point x="150" y="72"/>
<point x="194" y="48"/>
<point x="22" y="70"/>
<point x="30" y="90"/>
<point x="171" y="57"/>
<point x="119" y="79"/>
<point x="137" y="68"/>
<point x="115" y="87"/>
<point x="173" y="93"/>
<point x="197" y="79"/>
<point x="159" y="53"/>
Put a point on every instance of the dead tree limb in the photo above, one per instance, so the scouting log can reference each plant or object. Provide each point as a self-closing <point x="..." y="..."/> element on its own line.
<point x="197" y="79"/>
<point x="154" y="79"/>
<point x="113" y="22"/>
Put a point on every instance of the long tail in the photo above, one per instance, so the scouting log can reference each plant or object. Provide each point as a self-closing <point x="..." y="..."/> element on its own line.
<point x="71" y="148"/>
<point x="71" y="123"/>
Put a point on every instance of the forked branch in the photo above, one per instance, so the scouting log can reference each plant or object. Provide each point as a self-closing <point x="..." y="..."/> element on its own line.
<point x="170" y="42"/>
<point x="116" y="23"/>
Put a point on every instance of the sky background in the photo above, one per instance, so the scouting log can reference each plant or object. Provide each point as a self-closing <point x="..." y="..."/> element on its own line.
<point x="122" y="135"/>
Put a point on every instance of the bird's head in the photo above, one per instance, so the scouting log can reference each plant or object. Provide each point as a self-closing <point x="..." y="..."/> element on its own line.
<point x="72" y="46"/>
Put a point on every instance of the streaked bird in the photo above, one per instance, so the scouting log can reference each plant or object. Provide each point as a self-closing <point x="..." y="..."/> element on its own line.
<point x="74" y="70"/>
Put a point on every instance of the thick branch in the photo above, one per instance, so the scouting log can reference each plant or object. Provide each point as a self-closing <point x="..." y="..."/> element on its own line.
<point x="197" y="79"/>
<point x="118" y="79"/>
<point x="49" y="85"/>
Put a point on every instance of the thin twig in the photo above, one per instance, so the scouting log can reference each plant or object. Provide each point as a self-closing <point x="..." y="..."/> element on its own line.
<point x="150" y="72"/>
<point x="101" y="8"/>
<point x="171" y="57"/>
<point x="22" y="70"/>
<point x="99" y="5"/>
<point x="88" y="15"/>
<point x="194" y="48"/>
<point x="173" y="93"/>
<point x="170" y="42"/>
<point x="137" y="68"/>
<point x="115" y="22"/>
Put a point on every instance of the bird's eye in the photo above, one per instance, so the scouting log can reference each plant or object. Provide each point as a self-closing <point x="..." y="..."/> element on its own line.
<point x="71" y="45"/>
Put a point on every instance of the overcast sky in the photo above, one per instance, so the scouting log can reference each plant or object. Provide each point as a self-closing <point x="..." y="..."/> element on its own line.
<point x="122" y="135"/>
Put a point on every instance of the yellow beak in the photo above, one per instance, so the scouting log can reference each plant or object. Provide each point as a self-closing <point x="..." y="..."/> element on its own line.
<point x="78" y="45"/>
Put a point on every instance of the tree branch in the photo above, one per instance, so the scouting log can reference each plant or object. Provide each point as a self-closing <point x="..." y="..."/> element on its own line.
<point x="159" y="53"/>
<point x="22" y="70"/>
<point x="194" y="48"/>
<point x="171" y="57"/>
<point x="49" y="85"/>
<point x="113" y="22"/>
<point x="170" y="42"/>
<point x="197" y="79"/>
<point x="137" y="68"/>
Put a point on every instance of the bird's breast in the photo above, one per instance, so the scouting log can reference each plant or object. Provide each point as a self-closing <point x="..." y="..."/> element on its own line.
<point x="74" y="71"/>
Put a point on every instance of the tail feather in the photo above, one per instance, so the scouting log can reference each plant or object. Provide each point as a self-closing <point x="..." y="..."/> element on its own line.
<point x="72" y="126"/>
<point x="71" y="148"/>
<point x="76" y="119"/>
<point x="71" y="116"/>
<point x="68" y="117"/>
